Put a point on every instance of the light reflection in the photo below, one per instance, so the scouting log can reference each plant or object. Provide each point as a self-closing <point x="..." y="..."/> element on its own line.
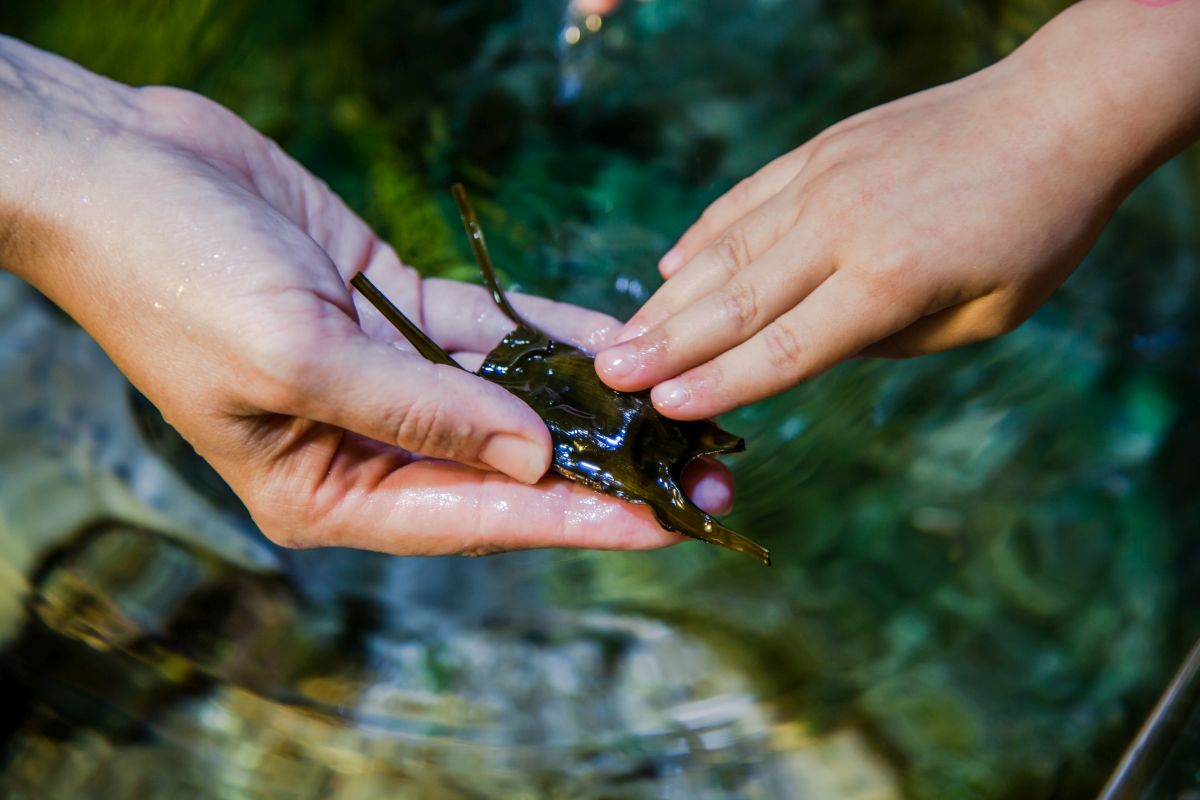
<point x="595" y="7"/>
<point x="270" y="692"/>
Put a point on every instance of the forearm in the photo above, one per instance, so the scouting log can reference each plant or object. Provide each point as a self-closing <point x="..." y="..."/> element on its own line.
<point x="1123" y="77"/>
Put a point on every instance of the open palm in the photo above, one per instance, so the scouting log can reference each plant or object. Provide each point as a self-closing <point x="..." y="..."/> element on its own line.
<point x="214" y="270"/>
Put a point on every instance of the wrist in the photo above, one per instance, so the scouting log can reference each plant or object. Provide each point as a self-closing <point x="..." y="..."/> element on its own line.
<point x="1120" y="82"/>
<point x="58" y="117"/>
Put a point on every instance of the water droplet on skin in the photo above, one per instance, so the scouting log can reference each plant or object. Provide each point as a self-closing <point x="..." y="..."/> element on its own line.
<point x="599" y="338"/>
<point x="590" y="511"/>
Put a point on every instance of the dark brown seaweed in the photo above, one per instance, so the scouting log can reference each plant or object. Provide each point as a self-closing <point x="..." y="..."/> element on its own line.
<point x="614" y="442"/>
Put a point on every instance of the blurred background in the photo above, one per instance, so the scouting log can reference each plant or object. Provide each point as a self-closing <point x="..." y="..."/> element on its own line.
<point x="987" y="562"/>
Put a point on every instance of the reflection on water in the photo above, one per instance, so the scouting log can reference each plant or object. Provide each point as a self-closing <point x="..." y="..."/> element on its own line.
<point x="987" y="559"/>
<point x="147" y="664"/>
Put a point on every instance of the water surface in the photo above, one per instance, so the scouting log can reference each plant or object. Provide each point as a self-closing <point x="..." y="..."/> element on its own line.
<point x="984" y="560"/>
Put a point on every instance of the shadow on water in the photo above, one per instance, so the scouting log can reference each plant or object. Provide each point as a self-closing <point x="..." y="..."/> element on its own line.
<point x="986" y="560"/>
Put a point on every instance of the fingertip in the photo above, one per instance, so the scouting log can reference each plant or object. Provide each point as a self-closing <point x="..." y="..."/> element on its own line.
<point x="672" y="262"/>
<point x="519" y="443"/>
<point x="709" y="484"/>
<point x="690" y="397"/>
<point x="469" y="361"/>
<point x="622" y="368"/>
<point x="516" y="456"/>
<point x="603" y="522"/>
<point x="659" y="540"/>
<point x="671" y="397"/>
<point x="616" y="363"/>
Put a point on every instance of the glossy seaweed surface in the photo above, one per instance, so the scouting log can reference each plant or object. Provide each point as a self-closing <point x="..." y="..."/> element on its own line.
<point x="614" y="442"/>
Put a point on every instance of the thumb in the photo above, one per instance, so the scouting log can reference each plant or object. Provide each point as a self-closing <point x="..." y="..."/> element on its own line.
<point x="438" y="411"/>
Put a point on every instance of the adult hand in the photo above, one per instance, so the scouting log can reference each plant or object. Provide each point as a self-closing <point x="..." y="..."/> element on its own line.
<point x="934" y="221"/>
<point x="213" y="269"/>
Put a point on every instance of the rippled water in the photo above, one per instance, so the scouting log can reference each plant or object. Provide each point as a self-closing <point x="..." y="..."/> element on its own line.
<point x="985" y="560"/>
<point x="152" y="666"/>
<point x="189" y="659"/>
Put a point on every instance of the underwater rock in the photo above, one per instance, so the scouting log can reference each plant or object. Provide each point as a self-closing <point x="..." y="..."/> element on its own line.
<point x="71" y="453"/>
<point x="146" y="662"/>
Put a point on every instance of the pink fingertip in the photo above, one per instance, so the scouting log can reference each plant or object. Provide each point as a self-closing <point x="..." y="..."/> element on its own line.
<point x="516" y="457"/>
<point x="708" y="487"/>
<point x="671" y="395"/>
<point x="617" y="362"/>
<point x="670" y="263"/>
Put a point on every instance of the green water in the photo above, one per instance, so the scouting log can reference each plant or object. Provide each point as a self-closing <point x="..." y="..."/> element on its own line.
<point x="986" y="561"/>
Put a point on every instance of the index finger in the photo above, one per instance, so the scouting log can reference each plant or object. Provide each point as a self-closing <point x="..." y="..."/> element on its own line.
<point x="779" y="219"/>
<point x="745" y="196"/>
<point x="837" y="321"/>
<point x="462" y="316"/>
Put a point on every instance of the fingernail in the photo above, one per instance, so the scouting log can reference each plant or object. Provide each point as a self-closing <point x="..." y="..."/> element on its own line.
<point x="515" y="456"/>
<point x="619" y="361"/>
<point x="671" y="262"/>
<point x="671" y="395"/>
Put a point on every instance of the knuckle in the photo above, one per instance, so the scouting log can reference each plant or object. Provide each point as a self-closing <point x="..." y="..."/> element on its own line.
<point x="420" y="426"/>
<point x="783" y="347"/>
<point x="841" y="140"/>
<point x="831" y="143"/>
<point x="171" y="103"/>
<point x="884" y="281"/>
<point x="731" y="253"/>
<point x="711" y="381"/>
<point x="824" y="155"/>
<point x="281" y="375"/>
<point x="742" y="193"/>
<point x="892" y="274"/>
<point x="431" y="428"/>
<point x="840" y="192"/>
<point x="821" y="147"/>
<point x="739" y="299"/>
<point x="179" y="114"/>
<point x="709" y="216"/>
